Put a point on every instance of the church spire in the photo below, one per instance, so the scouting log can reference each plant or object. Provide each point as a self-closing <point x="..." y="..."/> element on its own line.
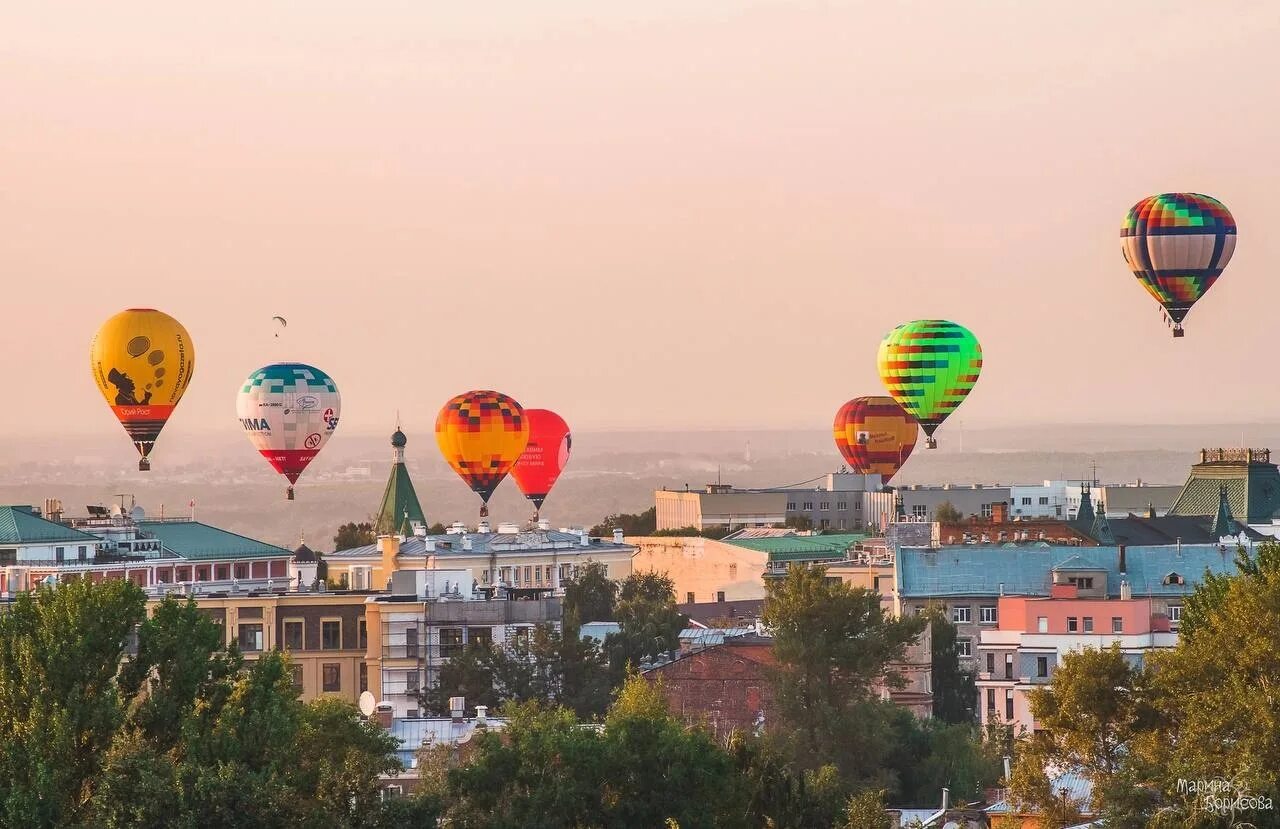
<point x="1086" y="506"/>
<point x="1224" y="525"/>
<point x="400" y="508"/>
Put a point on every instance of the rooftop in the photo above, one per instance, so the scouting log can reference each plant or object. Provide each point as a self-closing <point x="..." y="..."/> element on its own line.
<point x="20" y="525"/>
<point x="791" y="547"/>
<point x="485" y="543"/>
<point x="195" y="541"/>
<point x="1026" y="571"/>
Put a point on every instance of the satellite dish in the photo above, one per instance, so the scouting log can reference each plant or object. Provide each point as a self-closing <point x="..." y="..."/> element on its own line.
<point x="367" y="703"/>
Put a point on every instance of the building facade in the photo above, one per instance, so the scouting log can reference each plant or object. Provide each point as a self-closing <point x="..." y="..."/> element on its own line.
<point x="921" y="502"/>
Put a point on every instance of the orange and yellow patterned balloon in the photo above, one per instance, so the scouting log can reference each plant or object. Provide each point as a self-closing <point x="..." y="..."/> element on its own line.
<point x="481" y="435"/>
<point x="142" y="361"/>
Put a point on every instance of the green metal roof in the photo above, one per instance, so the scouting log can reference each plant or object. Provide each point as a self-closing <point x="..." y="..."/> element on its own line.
<point x="1253" y="490"/>
<point x="800" y="547"/>
<point x="20" y="525"/>
<point x="196" y="541"/>
<point x="399" y="503"/>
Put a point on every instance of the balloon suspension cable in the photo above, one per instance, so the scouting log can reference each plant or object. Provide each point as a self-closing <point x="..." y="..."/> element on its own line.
<point x="289" y="493"/>
<point x="144" y="464"/>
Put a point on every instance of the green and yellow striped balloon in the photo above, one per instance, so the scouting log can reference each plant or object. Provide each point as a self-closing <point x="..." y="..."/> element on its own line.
<point x="929" y="367"/>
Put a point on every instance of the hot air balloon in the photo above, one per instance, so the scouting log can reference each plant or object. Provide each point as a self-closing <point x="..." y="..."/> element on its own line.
<point x="482" y="434"/>
<point x="929" y="367"/>
<point x="875" y="435"/>
<point x="142" y="361"/>
<point x="1177" y="244"/>
<point x="544" y="457"/>
<point x="289" y="411"/>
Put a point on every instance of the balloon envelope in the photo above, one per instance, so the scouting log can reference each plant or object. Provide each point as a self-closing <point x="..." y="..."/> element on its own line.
<point x="142" y="361"/>
<point x="289" y="411"/>
<point x="929" y="367"/>
<point x="875" y="435"/>
<point x="1177" y="245"/>
<point x="545" y="455"/>
<point x="481" y="435"/>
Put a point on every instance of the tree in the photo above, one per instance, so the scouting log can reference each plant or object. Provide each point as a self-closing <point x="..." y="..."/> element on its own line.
<point x="867" y="811"/>
<point x="946" y="513"/>
<point x="354" y="535"/>
<point x="802" y="523"/>
<point x="437" y="529"/>
<point x="589" y="596"/>
<point x="955" y="693"/>
<point x="833" y="643"/>
<point x="649" y="621"/>
<point x="776" y="793"/>
<point x="643" y="523"/>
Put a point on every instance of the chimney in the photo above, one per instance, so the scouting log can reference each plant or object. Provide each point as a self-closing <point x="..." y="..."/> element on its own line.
<point x="586" y="539"/>
<point x="617" y="535"/>
<point x="946" y="799"/>
<point x="999" y="512"/>
<point x="482" y="716"/>
<point x="429" y="545"/>
<point x="466" y="543"/>
<point x="482" y="527"/>
<point x="457" y="707"/>
<point x="1126" y="590"/>
<point x="383" y="714"/>
<point x="1124" y="566"/>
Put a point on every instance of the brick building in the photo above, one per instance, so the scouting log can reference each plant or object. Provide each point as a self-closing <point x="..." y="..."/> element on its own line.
<point x="726" y="687"/>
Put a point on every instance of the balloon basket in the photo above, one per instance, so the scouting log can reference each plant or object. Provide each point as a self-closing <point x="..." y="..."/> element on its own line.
<point x="1178" y="332"/>
<point x="484" y="510"/>
<point x="144" y="465"/>
<point x="931" y="442"/>
<point x="289" y="493"/>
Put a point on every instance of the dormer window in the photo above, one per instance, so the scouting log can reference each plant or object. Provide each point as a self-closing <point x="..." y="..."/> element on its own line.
<point x="1173" y="578"/>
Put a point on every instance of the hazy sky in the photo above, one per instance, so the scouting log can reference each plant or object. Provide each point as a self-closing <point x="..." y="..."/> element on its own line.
<point x="667" y="214"/>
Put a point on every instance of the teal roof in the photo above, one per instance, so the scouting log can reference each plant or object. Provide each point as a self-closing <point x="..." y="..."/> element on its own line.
<point x="20" y="525"/>
<point x="801" y="547"/>
<point x="1253" y="489"/>
<point x="972" y="570"/>
<point x="196" y="541"/>
<point x="400" y="507"/>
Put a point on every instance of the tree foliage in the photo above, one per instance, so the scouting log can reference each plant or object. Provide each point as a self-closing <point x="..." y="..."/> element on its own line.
<point x="955" y="693"/>
<point x="946" y="513"/>
<point x="643" y="523"/>
<point x="353" y="534"/>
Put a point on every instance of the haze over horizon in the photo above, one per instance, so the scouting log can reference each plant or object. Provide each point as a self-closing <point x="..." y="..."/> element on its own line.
<point x="694" y="215"/>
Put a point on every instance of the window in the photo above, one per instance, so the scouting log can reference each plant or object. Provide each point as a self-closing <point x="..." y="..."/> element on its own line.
<point x="331" y="677"/>
<point x="1073" y="624"/>
<point x="1044" y="500"/>
<point x="411" y="642"/>
<point x="919" y="511"/>
<point x="1008" y="704"/>
<point x="733" y="571"/>
<point x="842" y="505"/>
<point x="250" y="638"/>
<point x="296" y="671"/>
<point x="1082" y="582"/>
<point x="964" y="647"/>
<point x="481" y="636"/>
<point x="991" y="700"/>
<point x="987" y="614"/>
<point x="504" y="575"/>
<point x="824" y="524"/>
<point x="364" y="677"/>
<point x="1042" y="666"/>
<point x="521" y="634"/>
<point x="331" y="634"/>
<point x="293" y="635"/>
<point x="987" y="509"/>
<point x="791" y="506"/>
<point x="1008" y="666"/>
<point x="528" y="576"/>
<point x="1042" y="624"/>
<point x="688" y="597"/>
<point x="808" y="505"/>
<point x="1175" y="613"/>
<point x="412" y="682"/>
<point x="961" y="613"/>
<point x="824" y="505"/>
<point x="719" y="595"/>
<point x="991" y="662"/>
<point x="362" y="631"/>
<point x="1026" y="501"/>
<point x="1088" y="624"/>
<point x="242" y="571"/>
<point x="840" y="524"/>
<point x="450" y="642"/>
<point x="82" y="554"/>
<point x="60" y="554"/>
<point x="1117" y="624"/>
<point x="221" y="572"/>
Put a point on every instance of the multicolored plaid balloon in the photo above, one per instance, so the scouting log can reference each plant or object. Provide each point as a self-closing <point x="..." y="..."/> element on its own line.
<point x="482" y="434"/>
<point x="929" y="367"/>
<point x="1177" y="244"/>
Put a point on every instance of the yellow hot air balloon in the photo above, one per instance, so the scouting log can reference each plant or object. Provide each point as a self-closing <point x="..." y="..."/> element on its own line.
<point x="482" y="434"/>
<point x="142" y="361"/>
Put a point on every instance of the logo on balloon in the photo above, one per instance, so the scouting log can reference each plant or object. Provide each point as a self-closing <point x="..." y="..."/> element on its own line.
<point x="330" y="419"/>
<point x="312" y="441"/>
<point x="307" y="401"/>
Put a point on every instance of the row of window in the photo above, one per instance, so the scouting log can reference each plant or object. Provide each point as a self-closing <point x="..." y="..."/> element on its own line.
<point x="987" y="614"/>
<point x="10" y="555"/>
<point x="250" y="635"/>
<point x="824" y="506"/>
<point x="1044" y="500"/>
<point x="1008" y="703"/>
<point x="922" y="510"/>
<point x="689" y="599"/>
<point x="1042" y="665"/>
<point x="331" y="677"/>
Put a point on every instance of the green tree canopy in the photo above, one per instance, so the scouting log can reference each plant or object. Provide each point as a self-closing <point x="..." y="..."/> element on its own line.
<point x="643" y="523"/>
<point x="354" y="534"/>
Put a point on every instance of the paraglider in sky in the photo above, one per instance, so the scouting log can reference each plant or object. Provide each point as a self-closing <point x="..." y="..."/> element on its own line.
<point x="289" y="411"/>
<point x="481" y="435"/>
<point x="1177" y="244"/>
<point x="929" y="367"/>
<point x="279" y="324"/>
<point x="875" y="435"/>
<point x="544" y="457"/>
<point x="142" y="361"/>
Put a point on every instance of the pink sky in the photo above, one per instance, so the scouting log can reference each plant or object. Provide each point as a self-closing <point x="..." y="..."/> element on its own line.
<point x="669" y="214"/>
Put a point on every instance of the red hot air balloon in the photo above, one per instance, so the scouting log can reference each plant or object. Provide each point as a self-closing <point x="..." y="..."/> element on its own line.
<point x="545" y="456"/>
<point x="875" y="434"/>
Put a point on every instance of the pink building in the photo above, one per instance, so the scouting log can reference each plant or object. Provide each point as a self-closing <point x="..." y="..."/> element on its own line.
<point x="1024" y="649"/>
